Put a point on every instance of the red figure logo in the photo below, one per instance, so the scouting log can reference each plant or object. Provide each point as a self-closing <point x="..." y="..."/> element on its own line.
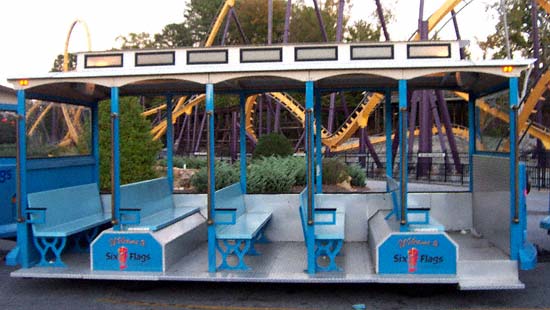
<point x="122" y="257"/>
<point x="412" y="259"/>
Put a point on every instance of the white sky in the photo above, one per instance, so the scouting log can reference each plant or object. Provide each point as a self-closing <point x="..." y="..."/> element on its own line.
<point x="33" y="32"/>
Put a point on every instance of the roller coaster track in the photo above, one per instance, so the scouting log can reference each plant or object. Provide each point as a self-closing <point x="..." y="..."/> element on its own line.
<point x="352" y="144"/>
<point x="357" y="119"/>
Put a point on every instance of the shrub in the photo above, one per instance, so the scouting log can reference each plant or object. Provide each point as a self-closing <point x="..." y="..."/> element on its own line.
<point x="271" y="175"/>
<point x="357" y="174"/>
<point x="226" y="174"/>
<point x="334" y="171"/>
<point x="138" y="150"/>
<point x="273" y="144"/>
<point x="188" y="162"/>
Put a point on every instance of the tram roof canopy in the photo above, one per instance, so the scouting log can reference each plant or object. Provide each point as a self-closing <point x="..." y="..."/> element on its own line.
<point x="370" y="66"/>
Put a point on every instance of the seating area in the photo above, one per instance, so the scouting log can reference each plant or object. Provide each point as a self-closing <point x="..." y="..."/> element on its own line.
<point x="149" y="206"/>
<point x="329" y="232"/>
<point x="57" y="214"/>
<point x="418" y="215"/>
<point x="237" y="229"/>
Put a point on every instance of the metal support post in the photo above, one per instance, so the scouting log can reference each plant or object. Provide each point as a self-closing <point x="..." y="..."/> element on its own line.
<point x="403" y="160"/>
<point x="115" y="159"/>
<point x="471" y="137"/>
<point x="210" y="154"/>
<point x="310" y="159"/>
<point x="318" y="146"/>
<point x="95" y="140"/>
<point x="515" y="231"/>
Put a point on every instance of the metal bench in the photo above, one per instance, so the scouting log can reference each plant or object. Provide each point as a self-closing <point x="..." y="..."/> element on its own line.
<point x="148" y="205"/>
<point x="237" y="229"/>
<point x="545" y="224"/>
<point x="56" y="214"/>
<point x="418" y="216"/>
<point x="329" y="232"/>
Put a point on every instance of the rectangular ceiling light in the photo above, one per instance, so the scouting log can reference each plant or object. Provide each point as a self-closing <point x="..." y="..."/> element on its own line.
<point x="155" y="59"/>
<point x="316" y="53"/>
<point x="207" y="57"/>
<point x="428" y="51"/>
<point x="371" y="52"/>
<point x="103" y="61"/>
<point x="261" y="55"/>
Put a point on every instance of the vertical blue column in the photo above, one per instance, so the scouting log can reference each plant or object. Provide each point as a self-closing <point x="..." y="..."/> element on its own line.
<point x="115" y="158"/>
<point x="242" y="141"/>
<point x="515" y="228"/>
<point x="318" y="145"/>
<point x="388" y="128"/>
<point x="471" y="137"/>
<point x="211" y="178"/>
<point x="403" y="160"/>
<point x="310" y="160"/>
<point x="95" y="140"/>
<point x="169" y="143"/>
<point x="23" y="254"/>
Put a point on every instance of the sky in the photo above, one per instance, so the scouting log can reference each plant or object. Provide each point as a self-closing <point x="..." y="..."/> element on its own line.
<point x="33" y="32"/>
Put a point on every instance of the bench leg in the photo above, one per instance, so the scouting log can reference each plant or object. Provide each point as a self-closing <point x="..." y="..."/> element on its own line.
<point x="55" y="245"/>
<point x="331" y="249"/>
<point x="260" y="238"/>
<point x="239" y="248"/>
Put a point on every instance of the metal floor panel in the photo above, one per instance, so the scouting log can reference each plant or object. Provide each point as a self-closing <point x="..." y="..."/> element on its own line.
<point x="279" y="262"/>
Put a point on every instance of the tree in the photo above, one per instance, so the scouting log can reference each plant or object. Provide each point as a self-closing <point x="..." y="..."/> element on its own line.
<point x="138" y="150"/>
<point x="58" y="63"/>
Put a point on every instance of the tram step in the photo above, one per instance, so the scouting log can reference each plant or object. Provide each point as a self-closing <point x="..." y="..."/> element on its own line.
<point x="488" y="274"/>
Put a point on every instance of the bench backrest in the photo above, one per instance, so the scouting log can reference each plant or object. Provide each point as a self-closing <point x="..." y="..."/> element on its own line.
<point x="66" y="204"/>
<point x="149" y="196"/>
<point x="231" y="197"/>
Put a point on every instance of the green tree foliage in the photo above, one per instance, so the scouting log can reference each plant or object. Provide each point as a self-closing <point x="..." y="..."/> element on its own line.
<point x="520" y="29"/>
<point x="334" y="171"/>
<point x="273" y="144"/>
<point x="357" y="174"/>
<point x="225" y="175"/>
<point x="138" y="150"/>
<point x="272" y="175"/>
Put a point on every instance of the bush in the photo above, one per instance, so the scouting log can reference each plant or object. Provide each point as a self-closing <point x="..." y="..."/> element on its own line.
<point x="272" y="175"/>
<point x="226" y="174"/>
<point x="188" y="162"/>
<point x="334" y="171"/>
<point x="273" y="144"/>
<point x="357" y="174"/>
<point x="138" y="150"/>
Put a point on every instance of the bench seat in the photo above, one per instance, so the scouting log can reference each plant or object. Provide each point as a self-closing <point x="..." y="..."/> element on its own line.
<point x="237" y="229"/>
<point x="163" y="218"/>
<point x="247" y="226"/>
<point x="73" y="227"/>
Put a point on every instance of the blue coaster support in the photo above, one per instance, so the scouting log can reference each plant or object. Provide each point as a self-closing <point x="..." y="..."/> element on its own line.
<point x="310" y="160"/>
<point x="210" y="153"/>
<point x="169" y="143"/>
<point x="403" y="160"/>
<point x="115" y="159"/>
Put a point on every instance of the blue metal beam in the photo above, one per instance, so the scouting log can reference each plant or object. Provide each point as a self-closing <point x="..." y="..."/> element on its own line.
<point x="211" y="178"/>
<point x="471" y="137"/>
<point x="515" y="228"/>
<point x="403" y="160"/>
<point x="115" y="160"/>
<point x="318" y="146"/>
<point x="310" y="159"/>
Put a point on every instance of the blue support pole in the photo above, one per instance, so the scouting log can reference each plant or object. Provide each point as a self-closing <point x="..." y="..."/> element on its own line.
<point x="115" y="158"/>
<point x="23" y="254"/>
<point x="95" y="140"/>
<point x="403" y="160"/>
<point x="169" y="143"/>
<point x="318" y="144"/>
<point x="515" y="228"/>
<point x="471" y="137"/>
<point x="310" y="159"/>
<point x="242" y="142"/>
<point x="388" y="128"/>
<point x="211" y="178"/>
